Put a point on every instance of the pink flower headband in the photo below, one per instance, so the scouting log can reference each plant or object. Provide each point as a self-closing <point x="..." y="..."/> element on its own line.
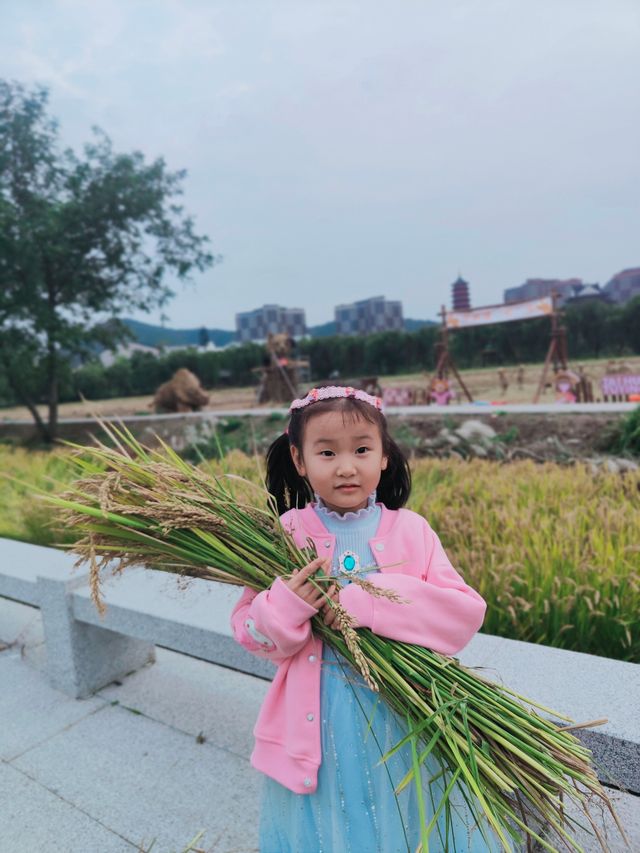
<point x="332" y="391"/>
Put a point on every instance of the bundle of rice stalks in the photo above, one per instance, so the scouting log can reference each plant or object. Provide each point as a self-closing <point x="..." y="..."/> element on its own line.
<point x="149" y="507"/>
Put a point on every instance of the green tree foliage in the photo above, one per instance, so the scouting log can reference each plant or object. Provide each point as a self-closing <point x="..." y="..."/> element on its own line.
<point x="81" y="238"/>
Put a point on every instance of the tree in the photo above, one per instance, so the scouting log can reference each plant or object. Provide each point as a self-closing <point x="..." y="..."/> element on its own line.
<point x="630" y="324"/>
<point x="81" y="239"/>
<point x="203" y="337"/>
<point x="586" y="326"/>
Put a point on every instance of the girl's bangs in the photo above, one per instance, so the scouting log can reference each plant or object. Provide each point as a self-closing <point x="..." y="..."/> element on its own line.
<point x="352" y="410"/>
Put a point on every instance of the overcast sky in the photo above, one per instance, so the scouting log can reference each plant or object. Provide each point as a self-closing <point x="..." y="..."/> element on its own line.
<point x="337" y="151"/>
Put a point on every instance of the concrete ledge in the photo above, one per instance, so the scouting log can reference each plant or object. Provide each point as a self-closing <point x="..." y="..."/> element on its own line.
<point x="21" y="564"/>
<point x="515" y="409"/>
<point x="261" y="412"/>
<point x="149" y="605"/>
<point x="584" y="687"/>
<point x="146" y="608"/>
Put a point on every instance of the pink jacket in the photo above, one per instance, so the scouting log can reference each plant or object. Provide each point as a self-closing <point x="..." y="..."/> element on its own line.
<point x="443" y="614"/>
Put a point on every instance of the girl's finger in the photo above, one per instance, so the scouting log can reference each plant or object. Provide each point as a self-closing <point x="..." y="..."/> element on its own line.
<point x="304" y="574"/>
<point x="327" y="605"/>
<point x="309" y="595"/>
<point x="316" y="600"/>
<point x="310" y="589"/>
<point x="312" y="567"/>
<point x="300" y="577"/>
<point x="329" y="618"/>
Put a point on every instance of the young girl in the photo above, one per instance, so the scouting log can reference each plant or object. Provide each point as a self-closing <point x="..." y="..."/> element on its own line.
<point x="341" y="482"/>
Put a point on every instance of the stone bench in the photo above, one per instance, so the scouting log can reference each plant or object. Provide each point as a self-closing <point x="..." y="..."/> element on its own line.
<point x="147" y="608"/>
<point x="86" y="651"/>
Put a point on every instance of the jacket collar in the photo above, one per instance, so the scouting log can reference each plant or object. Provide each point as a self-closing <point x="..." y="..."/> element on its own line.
<point x="312" y="524"/>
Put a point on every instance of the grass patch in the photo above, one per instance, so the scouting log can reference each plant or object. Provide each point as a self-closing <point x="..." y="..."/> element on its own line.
<point x="624" y="438"/>
<point x="555" y="551"/>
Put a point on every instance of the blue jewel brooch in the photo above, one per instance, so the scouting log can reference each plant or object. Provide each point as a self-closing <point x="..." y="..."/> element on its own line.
<point x="349" y="562"/>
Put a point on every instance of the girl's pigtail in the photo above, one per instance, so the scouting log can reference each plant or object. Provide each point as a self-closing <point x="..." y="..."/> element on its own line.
<point x="283" y="481"/>
<point x="394" y="487"/>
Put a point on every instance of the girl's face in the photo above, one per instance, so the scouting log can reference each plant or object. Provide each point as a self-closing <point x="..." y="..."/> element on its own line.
<point x="341" y="459"/>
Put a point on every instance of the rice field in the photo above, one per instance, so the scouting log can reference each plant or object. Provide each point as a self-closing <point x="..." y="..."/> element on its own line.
<point x="555" y="551"/>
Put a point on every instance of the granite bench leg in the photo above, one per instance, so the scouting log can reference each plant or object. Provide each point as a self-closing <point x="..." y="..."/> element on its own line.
<point x="83" y="658"/>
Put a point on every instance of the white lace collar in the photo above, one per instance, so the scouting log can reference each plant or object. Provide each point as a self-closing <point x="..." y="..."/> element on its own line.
<point x="348" y="516"/>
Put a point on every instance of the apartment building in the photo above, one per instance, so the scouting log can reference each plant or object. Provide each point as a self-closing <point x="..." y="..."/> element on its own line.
<point x="376" y="314"/>
<point x="256" y="325"/>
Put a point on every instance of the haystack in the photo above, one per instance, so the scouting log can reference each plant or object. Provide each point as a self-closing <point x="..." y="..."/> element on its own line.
<point x="182" y="393"/>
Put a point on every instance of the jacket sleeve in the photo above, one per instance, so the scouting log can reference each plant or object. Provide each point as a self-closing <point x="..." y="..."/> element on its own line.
<point x="272" y="624"/>
<point x="443" y="612"/>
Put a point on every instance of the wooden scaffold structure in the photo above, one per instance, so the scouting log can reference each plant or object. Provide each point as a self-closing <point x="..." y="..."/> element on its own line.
<point x="509" y="312"/>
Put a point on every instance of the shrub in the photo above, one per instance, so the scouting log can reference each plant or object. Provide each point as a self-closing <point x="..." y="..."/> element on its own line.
<point x="624" y="437"/>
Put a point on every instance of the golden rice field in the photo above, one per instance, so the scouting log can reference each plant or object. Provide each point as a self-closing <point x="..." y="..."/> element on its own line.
<point x="554" y="550"/>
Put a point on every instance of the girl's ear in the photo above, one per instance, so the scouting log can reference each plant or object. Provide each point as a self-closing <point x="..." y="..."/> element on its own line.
<point x="297" y="461"/>
<point x="385" y="462"/>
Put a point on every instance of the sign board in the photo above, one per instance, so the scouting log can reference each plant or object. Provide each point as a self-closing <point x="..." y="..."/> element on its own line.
<point x="620" y="384"/>
<point x="500" y="313"/>
<point x="397" y="397"/>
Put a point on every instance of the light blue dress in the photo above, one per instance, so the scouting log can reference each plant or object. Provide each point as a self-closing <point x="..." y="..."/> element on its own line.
<point x="354" y="809"/>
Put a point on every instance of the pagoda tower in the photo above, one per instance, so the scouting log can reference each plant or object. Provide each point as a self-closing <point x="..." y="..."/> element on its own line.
<point x="460" y="295"/>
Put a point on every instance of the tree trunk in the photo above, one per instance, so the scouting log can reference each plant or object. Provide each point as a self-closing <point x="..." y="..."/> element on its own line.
<point x="43" y="429"/>
<point x="52" y="357"/>
<point x="52" y="393"/>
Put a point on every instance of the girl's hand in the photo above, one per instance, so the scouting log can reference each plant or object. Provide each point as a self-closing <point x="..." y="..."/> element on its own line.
<point x="301" y="585"/>
<point x="327" y="609"/>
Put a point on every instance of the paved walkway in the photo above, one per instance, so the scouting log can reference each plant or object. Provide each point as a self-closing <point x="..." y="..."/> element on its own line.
<point x="146" y="764"/>
<point x="162" y="756"/>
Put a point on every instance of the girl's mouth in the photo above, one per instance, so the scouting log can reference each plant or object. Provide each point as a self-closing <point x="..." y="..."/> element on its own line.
<point x="347" y="488"/>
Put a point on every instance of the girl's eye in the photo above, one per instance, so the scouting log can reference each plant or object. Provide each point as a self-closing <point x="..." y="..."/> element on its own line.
<point x="327" y="452"/>
<point x="362" y="450"/>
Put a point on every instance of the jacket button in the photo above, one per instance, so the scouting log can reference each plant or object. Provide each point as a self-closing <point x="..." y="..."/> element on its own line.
<point x="307" y="782"/>
<point x="311" y="658"/>
<point x="379" y="546"/>
<point x="310" y="717"/>
<point x="327" y="544"/>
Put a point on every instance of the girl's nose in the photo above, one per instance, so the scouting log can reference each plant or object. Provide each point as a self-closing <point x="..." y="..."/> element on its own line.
<point x="346" y="467"/>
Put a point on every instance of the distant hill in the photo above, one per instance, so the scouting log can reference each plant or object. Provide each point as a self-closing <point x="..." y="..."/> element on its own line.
<point x="327" y="329"/>
<point x="155" y="336"/>
<point x="324" y="330"/>
<point x="414" y="325"/>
